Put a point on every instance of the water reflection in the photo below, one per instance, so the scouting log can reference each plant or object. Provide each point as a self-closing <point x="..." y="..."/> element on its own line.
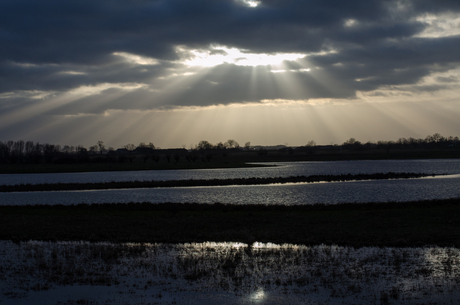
<point x="285" y="169"/>
<point x="287" y="194"/>
<point x="258" y="296"/>
<point x="227" y="273"/>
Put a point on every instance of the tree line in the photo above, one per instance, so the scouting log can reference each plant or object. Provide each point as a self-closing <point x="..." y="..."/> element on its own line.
<point x="30" y="152"/>
<point x="34" y="152"/>
<point x="431" y="141"/>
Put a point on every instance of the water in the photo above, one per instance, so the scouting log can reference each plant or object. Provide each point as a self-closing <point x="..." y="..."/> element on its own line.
<point x="225" y="273"/>
<point x="286" y="194"/>
<point x="232" y="273"/>
<point x="443" y="166"/>
<point x="439" y="187"/>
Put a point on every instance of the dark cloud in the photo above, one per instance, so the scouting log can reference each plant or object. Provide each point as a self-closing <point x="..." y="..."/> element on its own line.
<point x="56" y="45"/>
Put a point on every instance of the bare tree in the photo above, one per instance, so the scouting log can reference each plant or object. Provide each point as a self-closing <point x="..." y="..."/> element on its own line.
<point x="232" y="144"/>
<point x="130" y="147"/>
<point x="101" y="146"/>
<point x="93" y="149"/>
<point x="247" y="145"/>
<point x="203" y="145"/>
<point x="310" y="147"/>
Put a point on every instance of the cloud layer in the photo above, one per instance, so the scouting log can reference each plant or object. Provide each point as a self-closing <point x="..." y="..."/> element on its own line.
<point x="57" y="46"/>
<point x="89" y="57"/>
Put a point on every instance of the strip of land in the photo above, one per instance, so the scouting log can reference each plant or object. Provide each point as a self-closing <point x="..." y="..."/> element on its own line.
<point x="408" y="224"/>
<point x="204" y="182"/>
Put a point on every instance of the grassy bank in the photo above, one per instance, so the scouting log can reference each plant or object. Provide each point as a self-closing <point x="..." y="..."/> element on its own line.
<point x="203" y="182"/>
<point x="375" y="224"/>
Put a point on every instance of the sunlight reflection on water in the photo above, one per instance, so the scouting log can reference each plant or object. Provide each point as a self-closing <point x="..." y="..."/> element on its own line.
<point x="285" y="194"/>
<point x="285" y="169"/>
<point x="227" y="273"/>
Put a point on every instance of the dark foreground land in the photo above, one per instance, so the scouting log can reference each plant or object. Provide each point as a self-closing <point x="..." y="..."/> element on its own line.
<point x="409" y="224"/>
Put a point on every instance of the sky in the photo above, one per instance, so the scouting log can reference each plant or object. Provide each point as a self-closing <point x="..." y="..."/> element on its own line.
<point x="175" y="72"/>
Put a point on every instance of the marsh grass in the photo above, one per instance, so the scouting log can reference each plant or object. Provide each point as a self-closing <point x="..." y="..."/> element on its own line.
<point x="330" y="274"/>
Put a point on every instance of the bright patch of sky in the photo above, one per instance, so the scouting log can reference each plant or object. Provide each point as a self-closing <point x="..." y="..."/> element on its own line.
<point x="217" y="55"/>
<point x="250" y="3"/>
<point x="350" y="23"/>
<point x="442" y="25"/>
<point x="32" y="94"/>
<point x="136" y="59"/>
<point x="92" y="90"/>
<point x="290" y="70"/>
<point x="72" y="73"/>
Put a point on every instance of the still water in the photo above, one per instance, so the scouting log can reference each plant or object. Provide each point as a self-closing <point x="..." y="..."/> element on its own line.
<point x="439" y="187"/>
<point x="287" y="194"/>
<point x="286" y="169"/>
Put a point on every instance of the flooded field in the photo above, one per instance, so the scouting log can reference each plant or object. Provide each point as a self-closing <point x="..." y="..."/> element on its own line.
<point x="441" y="187"/>
<point x="225" y="273"/>
<point x="271" y="169"/>
<point x="68" y="273"/>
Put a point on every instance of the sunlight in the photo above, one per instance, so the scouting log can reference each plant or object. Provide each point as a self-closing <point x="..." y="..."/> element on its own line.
<point x="257" y="296"/>
<point x="72" y="73"/>
<point x="350" y="23"/>
<point x="92" y="90"/>
<point x="291" y="70"/>
<point x="136" y="59"/>
<point x="217" y="55"/>
<point x="31" y="94"/>
<point x="441" y="25"/>
<point x="250" y="3"/>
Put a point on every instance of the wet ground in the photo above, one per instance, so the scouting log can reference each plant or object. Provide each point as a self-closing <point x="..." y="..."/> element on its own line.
<point x="225" y="273"/>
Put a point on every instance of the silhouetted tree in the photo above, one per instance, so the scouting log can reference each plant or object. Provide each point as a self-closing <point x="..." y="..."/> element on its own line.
<point x="351" y="141"/>
<point x="101" y="146"/>
<point x="4" y="153"/>
<point x="262" y="152"/>
<point x="93" y="149"/>
<point x="49" y="152"/>
<point x="81" y="150"/>
<point x="231" y="144"/>
<point x="220" y="146"/>
<point x="29" y="150"/>
<point x="247" y="145"/>
<point x="204" y="145"/>
<point x="168" y="157"/>
<point x="310" y="147"/>
<point x="176" y="158"/>
<point x="155" y="158"/>
<point x="130" y="147"/>
<point x="17" y="152"/>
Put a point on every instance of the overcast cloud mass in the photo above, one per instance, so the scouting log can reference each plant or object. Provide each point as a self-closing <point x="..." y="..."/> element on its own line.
<point x="174" y="72"/>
